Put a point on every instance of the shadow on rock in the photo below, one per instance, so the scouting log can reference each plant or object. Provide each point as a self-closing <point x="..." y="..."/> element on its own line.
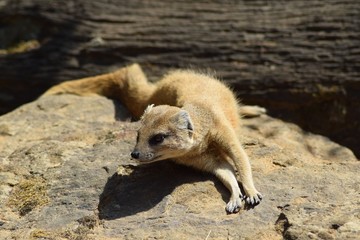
<point x="121" y="112"/>
<point x="140" y="188"/>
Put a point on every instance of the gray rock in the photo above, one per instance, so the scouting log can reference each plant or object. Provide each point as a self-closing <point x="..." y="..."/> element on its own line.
<point x="65" y="172"/>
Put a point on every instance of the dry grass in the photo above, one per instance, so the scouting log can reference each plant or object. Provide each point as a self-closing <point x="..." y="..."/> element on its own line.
<point x="28" y="195"/>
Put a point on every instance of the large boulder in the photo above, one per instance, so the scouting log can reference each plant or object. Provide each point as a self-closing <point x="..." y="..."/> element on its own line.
<point x="66" y="173"/>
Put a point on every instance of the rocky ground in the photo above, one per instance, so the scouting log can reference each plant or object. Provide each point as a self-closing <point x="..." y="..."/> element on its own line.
<point x="65" y="173"/>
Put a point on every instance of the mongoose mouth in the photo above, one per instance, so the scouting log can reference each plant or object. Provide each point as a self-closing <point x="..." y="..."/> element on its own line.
<point x="146" y="161"/>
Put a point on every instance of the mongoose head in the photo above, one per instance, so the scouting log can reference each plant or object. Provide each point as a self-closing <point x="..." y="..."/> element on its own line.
<point x="165" y="132"/>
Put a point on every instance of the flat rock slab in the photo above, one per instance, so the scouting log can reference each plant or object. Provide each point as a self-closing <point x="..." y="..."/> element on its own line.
<point x="65" y="172"/>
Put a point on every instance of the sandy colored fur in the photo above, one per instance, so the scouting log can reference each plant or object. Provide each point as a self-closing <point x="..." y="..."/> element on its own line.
<point x="128" y="84"/>
<point x="195" y="115"/>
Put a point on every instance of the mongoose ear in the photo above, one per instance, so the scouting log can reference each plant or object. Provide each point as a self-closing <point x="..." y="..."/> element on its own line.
<point x="184" y="121"/>
<point x="147" y="110"/>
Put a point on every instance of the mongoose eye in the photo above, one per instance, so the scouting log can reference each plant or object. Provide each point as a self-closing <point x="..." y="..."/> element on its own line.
<point x="157" y="139"/>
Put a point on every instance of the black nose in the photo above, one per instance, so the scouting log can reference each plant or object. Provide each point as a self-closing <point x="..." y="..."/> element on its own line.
<point x="135" y="154"/>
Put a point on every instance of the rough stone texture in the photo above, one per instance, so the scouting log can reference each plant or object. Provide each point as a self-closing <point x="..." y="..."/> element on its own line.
<point x="77" y="150"/>
<point x="300" y="58"/>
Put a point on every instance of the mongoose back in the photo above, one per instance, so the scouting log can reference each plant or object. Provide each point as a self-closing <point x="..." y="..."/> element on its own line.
<point x="188" y="117"/>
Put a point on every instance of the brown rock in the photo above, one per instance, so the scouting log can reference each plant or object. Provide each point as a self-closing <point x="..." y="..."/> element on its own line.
<point x="77" y="150"/>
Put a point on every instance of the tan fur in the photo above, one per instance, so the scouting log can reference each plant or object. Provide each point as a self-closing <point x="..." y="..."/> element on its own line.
<point x="194" y="122"/>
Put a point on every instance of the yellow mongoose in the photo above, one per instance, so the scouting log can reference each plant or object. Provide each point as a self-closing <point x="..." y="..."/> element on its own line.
<point x="194" y="122"/>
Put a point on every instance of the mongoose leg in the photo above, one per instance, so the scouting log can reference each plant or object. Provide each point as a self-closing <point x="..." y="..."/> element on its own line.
<point x="225" y="173"/>
<point x="229" y="143"/>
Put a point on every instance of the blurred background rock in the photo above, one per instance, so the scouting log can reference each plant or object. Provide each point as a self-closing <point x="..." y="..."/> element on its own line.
<point x="299" y="59"/>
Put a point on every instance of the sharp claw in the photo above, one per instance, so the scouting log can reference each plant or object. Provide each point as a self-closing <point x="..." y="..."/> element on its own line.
<point x="254" y="200"/>
<point x="236" y="210"/>
<point x="233" y="206"/>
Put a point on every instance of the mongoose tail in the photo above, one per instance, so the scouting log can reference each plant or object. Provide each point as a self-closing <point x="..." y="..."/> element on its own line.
<point x="128" y="84"/>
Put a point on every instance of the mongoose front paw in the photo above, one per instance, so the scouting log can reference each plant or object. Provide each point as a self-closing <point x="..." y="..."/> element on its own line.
<point x="233" y="206"/>
<point x="253" y="200"/>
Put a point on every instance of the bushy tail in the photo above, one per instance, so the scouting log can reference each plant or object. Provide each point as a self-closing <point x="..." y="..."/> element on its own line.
<point x="128" y="84"/>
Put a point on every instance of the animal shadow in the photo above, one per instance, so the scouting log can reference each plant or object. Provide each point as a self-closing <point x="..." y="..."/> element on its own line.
<point x="144" y="186"/>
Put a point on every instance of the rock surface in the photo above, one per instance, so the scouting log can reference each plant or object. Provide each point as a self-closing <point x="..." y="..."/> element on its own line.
<point x="65" y="173"/>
